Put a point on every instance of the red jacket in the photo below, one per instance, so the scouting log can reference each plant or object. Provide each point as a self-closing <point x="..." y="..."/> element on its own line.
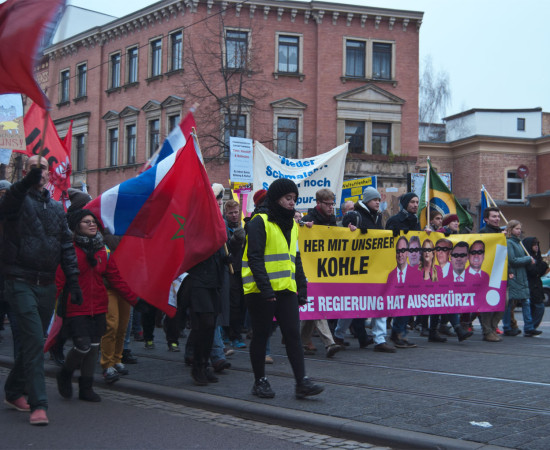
<point x="92" y="286"/>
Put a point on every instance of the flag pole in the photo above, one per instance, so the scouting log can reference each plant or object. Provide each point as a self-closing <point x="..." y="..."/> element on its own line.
<point x="427" y="193"/>
<point x="493" y="203"/>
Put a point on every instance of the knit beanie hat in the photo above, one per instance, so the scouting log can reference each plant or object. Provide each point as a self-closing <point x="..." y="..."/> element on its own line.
<point x="4" y="185"/>
<point x="406" y="198"/>
<point x="280" y="187"/>
<point x="369" y="194"/>
<point x="218" y="190"/>
<point x="259" y="197"/>
<point x="449" y="218"/>
<point x="74" y="218"/>
<point x="78" y="199"/>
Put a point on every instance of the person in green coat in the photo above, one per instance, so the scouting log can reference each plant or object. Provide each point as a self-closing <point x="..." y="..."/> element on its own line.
<point x="518" y="283"/>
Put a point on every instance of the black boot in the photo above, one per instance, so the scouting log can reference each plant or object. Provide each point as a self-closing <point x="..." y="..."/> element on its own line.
<point x="436" y="337"/>
<point x="209" y="373"/>
<point x="199" y="375"/>
<point x="86" y="392"/>
<point x="64" y="382"/>
<point x="462" y="333"/>
<point x="128" y="357"/>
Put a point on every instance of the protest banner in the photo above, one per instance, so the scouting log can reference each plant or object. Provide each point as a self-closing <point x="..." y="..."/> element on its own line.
<point x="355" y="275"/>
<point x="353" y="189"/>
<point x="240" y="160"/>
<point x="310" y="174"/>
<point x="12" y="133"/>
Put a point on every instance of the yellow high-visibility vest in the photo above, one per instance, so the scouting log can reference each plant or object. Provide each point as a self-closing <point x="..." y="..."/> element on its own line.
<point x="280" y="259"/>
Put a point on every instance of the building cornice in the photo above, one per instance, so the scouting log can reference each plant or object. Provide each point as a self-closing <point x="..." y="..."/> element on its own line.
<point x="334" y="13"/>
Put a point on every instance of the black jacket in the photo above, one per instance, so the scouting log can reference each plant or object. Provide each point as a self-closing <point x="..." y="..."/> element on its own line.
<point x="256" y="248"/>
<point x="534" y="272"/>
<point x="36" y="236"/>
<point x="363" y="218"/>
<point x="235" y="247"/>
<point x="403" y="220"/>
<point x="313" y="215"/>
<point x="490" y="229"/>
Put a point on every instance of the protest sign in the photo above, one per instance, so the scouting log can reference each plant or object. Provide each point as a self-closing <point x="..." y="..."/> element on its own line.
<point x="310" y="174"/>
<point x="240" y="160"/>
<point x="377" y="274"/>
<point x="12" y="133"/>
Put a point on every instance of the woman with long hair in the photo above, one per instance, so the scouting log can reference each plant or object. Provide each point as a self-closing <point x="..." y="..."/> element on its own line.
<point x="427" y="266"/>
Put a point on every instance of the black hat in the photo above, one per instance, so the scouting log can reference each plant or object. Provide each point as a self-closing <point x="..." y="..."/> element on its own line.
<point x="280" y="187"/>
<point x="406" y="199"/>
<point x="74" y="218"/>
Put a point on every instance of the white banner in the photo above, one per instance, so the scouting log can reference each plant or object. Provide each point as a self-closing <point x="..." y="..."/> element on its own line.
<point x="310" y="174"/>
<point x="240" y="160"/>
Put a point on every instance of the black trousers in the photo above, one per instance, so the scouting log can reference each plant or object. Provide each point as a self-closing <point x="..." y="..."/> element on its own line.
<point x="285" y="310"/>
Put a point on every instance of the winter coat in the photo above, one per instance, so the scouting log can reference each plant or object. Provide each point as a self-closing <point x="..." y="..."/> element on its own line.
<point x="235" y="247"/>
<point x="518" y="261"/>
<point x="313" y="215"/>
<point x="91" y="283"/>
<point x="534" y="272"/>
<point x="363" y="218"/>
<point x="403" y="220"/>
<point x="490" y="229"/>
<point x="36" y="237"/>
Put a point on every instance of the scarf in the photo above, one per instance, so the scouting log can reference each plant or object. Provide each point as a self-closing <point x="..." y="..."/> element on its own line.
<point x="90" y="246"/>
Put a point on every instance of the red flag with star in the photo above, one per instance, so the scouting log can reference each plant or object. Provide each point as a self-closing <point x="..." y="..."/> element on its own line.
<point x="179" y="226"/>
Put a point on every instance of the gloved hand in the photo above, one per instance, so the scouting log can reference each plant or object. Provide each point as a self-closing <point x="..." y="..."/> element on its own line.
<point x="364" y="230"/>
<point x="74" y="289"/>
<point x="32" y="178"/>
<point x="302" y="301"/>
<point x="239" y="234"/>
<point x="142" y="306"/>
<point x="395" y="233"/>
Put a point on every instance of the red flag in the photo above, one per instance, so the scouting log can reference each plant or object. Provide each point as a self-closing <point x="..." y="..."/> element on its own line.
<point x="55" y="150"/>
<point x="178" y="226"/>
<point x="21" y="26"/>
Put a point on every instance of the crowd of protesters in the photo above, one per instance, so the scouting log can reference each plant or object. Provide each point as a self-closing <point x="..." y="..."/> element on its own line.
<point x="52" y="259"/>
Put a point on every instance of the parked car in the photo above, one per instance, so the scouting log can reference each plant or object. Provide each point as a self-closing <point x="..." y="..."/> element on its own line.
<point x="546" y="286"/>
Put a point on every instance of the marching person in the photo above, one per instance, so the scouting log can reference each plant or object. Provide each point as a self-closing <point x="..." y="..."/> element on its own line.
<point x="273" y="278"/>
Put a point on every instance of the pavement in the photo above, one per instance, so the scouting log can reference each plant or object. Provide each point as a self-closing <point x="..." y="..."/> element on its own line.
<point x="469" y="395"/>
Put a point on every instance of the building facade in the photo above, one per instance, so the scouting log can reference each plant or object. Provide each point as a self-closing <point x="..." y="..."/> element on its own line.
<point x="299" y="77"/>
<point x="492" y="147"/>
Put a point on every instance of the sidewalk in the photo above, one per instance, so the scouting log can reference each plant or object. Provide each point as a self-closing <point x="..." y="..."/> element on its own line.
<point x="454" y="395"/>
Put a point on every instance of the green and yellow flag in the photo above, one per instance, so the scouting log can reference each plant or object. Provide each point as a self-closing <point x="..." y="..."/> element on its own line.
<point x="441" y="199"/>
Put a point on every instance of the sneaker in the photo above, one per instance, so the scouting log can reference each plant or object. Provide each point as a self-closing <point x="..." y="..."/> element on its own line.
<point x="238" y="343"/>
<point x="384" y="347"/>
<point x="498" y="331"/>
<point x="228" y="351"/>
<point x="149" y="345"/>
<point x="332" y="350"/>
<point x="492" y="337"/>
<point x="39" y="417"/>
<point x="173" y="347"/>
<point x="210" y="376"/>
<point x="512" y="332"/>
<point x="536" y="332"/>
<point x="121" y="369"/>
<point x="220" y="365"/>
<point x="20" y="404"/>
<point x="268" y="359"/>
<point x="262" y="389"/>
<point x="341" y="342"/>
<point x="307" y="388"/>
<point x="309" y="352"/>
<point x="110" y="375"/>
<point x="401" y="343"/>
<point x="128" y="357"/>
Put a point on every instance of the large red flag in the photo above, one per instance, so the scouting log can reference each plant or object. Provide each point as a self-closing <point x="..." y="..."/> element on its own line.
<point x="21" y="26"/>
<point x="55" y="150"/>
<point x="178" y="226"/>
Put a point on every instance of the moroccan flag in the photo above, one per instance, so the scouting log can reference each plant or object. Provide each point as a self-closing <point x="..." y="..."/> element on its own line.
<point x="178" y="225"/>
<point x="55" y="150"/>
<point x="21" y="27"/>
<point x="441" y="199"/>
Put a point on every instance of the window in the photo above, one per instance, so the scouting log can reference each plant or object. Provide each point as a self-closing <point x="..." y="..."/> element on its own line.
<point x="156" y="57"/>
<point x="132" y="64"/>
<point x="82" y="71"/>
<point x="113" y="147"/>
<point x="64" y="89"/>
<point x="288" y="54"/>
<point x="355" y="58"/>
<point x="173" y="122"/>
<point x="521" y="124"/>
<point x="114" y="78"/>
<point x="234" y="127"/>
<point x="176" y="51"/>
<point x="131" y="144"/>
<point x="355" y="134"/>
<point x="287" y="137"/>
<point x="381" y="61"/>
<point x="236" y="49"/>
<point x="514" y="186"/>
<point x="381" y="138"/>
<point x="154" y="136"/>
<point x="80" y="152"/>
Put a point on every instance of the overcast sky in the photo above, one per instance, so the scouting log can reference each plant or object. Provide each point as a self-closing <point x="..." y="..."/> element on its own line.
<point x="496" y="52"/>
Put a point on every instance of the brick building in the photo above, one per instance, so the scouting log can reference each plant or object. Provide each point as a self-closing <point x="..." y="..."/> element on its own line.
<point x="299" y="77"/>
<point x="486" y="147"/>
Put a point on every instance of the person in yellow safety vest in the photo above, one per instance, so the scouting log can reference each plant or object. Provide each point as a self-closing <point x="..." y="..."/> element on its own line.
<point x="273" y="282"/>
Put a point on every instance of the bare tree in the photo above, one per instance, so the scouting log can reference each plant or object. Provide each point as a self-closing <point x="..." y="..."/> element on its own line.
<point x="226" y="81"/>
<point x="434" y="97"/>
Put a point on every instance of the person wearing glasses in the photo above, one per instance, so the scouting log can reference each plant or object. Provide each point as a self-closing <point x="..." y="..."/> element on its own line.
<point x="36" y="240"/>
<point x="476" y="255"/>
<point x="443" y="249"/>
<point x="85" y="322"/>
<point x="323" y="213"/>
<point x="459" y="258"/>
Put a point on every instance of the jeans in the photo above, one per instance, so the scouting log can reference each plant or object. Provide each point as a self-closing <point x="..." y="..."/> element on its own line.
<point x="217" y="354"/>
<point x="525" y="309"/>
<point x="33" y="307"/>
<point x="399" y="325"/>
<point x="537" y="312"/>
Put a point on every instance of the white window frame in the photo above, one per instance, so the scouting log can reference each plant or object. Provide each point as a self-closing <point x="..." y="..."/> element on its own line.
<point x="151" y="41"/>
<point x="510" y="180"/>
<point x="109" y="155"/>
<point x="300" y="37"/>
<point x="248" y="48"/>
<point x="369" y="54"/>
<point x="171" y="51"/>
<point x="114" y="84"/>
<point x="128" y="65"/>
